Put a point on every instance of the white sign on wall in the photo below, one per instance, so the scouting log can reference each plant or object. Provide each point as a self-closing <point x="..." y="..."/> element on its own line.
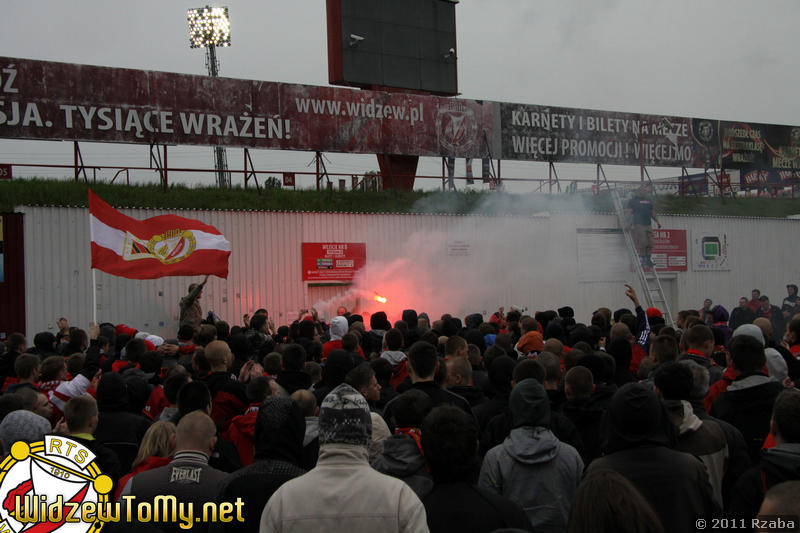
<point x="710" y="251"/>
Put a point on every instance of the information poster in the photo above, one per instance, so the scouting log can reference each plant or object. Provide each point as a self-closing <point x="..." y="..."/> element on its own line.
<point x="669" y="252"/>
<point x="710" y="251"/>
<point x="333" y="262"/>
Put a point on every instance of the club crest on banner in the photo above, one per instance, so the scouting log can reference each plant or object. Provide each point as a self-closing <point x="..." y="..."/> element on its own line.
<point x="169" y="247"/>
<point x="457" y="128"/>
<point x="52" y="478"/>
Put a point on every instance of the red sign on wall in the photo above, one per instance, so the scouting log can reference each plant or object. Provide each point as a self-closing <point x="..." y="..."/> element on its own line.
<point x="669" y="252"/>
<point x="5" y="172"/>
<point x="333" y="261"/>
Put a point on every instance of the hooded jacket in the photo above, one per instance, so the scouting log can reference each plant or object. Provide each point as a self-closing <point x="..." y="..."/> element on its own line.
<point x="191" y="312"/>
<point x="587" y="418"/>
<point x="373" y="339"/>
<point x="333" y="373"/>
<point x="279" y="431"/>
<point x="410" y="318"/>
<point x="228" y="398"/>
<point x="704" y="439"/>
<point x="715" y="372"/>
<point x="289" y="381"/>
<point x="241" y="432"/>
<point x="532" y="467"/>
<point x="403" y="459"/>
<point x="747" y="404"/>
<point x="311" y="443"/>
<point x="347" y="495"/>
<point x="117" y="427"/>
<point x="499" y="377"/>
<point x="778" y="464"/>
<point x="339" y="328"/>
<point x="638" y="440"/>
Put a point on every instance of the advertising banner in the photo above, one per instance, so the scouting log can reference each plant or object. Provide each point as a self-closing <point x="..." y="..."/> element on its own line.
<point x="335" y="262"/>
<point x="710" y="251"/>
<point x="64" y="101"/>
<point x="47" y="100"/>
<point x="669" y="252"/>
<point x="757" y="178"/>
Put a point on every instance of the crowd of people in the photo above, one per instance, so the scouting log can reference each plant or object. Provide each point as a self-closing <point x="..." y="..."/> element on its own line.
<point x="530" y="422"/>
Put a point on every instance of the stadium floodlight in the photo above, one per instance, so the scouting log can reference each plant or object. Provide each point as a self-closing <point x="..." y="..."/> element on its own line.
<point x="209" y="26"/>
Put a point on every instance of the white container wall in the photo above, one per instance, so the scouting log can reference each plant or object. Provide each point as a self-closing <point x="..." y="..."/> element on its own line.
<point x="433" y="263"/>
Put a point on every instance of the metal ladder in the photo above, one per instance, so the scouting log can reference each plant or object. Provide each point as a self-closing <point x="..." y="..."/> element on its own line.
<point x="653" y="292"/>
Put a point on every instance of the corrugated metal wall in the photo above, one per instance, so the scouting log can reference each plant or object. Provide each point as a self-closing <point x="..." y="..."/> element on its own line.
<point x="529" y="262"/>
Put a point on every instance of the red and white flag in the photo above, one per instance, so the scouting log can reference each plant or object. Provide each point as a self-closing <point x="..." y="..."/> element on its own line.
<point x="166" y="245"/>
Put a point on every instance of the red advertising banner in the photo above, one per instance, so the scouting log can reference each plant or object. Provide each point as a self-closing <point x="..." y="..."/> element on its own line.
<point x="333" y="261"/>
<point x="5" y="172"/>
<point x="670" y="252"/>
<point x="48" y="100"/>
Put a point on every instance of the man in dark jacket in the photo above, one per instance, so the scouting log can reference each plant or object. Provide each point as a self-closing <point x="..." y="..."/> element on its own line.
<point x="741" y="315"/>
<point x="291" y="376"/>
<point x="449" y="441"/>
<point x="778" y="464"/>
<point x="500" y="370"/>
<point x="118" y="428"/>
<point x="704" y="439"/>
<point x="188" y="476"/>
<point x="423" y="363"/>
<point x="532" y="467"/>
<point x="638" y="445"/>
<point x="747" y="403"/>
<point x="279" y="431"/>
<point x="582" y="412"/>
<point x="191" y="312"/>
<point x="699" y="342"/>
<point x="413" y="334"/>
<point x="402" y="452"/>
<point x="738" y="458"/>
<point x="500" y="426"/>
<point x="774" y="314"/>
<point x="228" y="395"/>
<point x="80" y="414"/>
<point x="459" y="380"/>
<point x="373" y="339"/>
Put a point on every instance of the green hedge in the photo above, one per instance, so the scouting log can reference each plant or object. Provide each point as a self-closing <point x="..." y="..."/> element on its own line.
<point x="16" y="193"/>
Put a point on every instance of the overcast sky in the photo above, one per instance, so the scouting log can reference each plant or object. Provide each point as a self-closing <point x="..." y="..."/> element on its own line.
<point x="720" y="59"/>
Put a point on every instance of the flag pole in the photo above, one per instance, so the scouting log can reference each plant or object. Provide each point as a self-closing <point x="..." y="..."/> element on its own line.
<point x="94" y="296"/>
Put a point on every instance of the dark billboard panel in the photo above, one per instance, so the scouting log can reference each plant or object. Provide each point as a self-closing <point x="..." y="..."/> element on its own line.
<point x="569" y="135"/>
<point x="386" y="43"/>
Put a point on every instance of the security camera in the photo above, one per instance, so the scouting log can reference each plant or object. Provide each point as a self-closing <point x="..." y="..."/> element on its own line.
<point x="450" y="54"/>
<point x="355" y="39"/>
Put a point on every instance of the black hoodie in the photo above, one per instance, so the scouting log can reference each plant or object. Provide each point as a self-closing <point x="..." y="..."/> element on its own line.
<point x="279" y="431"/>
<point x="410" y="318"/>
<point x="778" y="464"/>
<point x="638" y="441"/>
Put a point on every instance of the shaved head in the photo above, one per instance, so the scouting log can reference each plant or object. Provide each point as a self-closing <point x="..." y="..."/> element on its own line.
<point x="218" y="354"/>
<point x="196" y="431"/>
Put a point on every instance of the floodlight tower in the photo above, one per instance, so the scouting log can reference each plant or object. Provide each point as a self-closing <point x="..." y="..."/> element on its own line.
<point x="210" y="27"/>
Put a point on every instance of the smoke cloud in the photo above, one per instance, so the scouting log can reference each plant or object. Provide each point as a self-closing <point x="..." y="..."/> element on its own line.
<point x="509" y="251"/>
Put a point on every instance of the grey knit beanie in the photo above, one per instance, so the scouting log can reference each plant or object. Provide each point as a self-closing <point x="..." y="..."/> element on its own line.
<point x="344" y="418"/>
